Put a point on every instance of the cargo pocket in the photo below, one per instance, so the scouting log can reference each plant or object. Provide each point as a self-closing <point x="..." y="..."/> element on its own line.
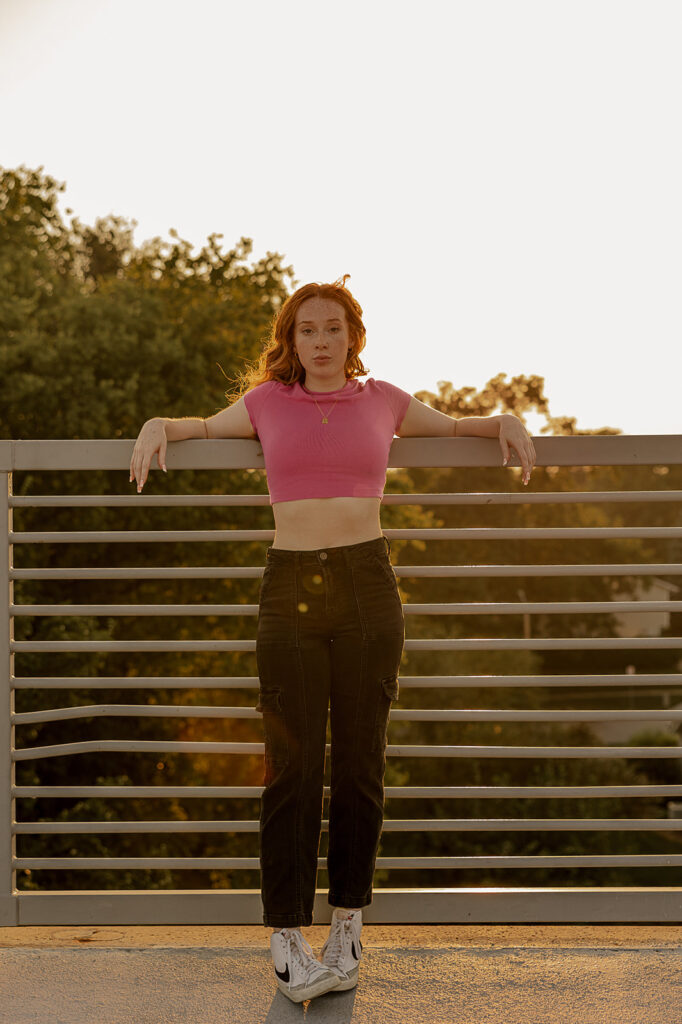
<point x="388" y="693"/>
<point x="274" y="728"/>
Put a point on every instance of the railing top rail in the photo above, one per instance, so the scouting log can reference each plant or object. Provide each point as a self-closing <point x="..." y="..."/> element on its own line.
<point x="237" y="453"/>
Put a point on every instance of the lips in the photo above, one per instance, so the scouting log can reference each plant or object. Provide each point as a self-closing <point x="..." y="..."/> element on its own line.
<point x="321" y="359"/>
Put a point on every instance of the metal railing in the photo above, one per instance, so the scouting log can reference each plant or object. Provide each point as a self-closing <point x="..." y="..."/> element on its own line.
<point x="413" y="904"/>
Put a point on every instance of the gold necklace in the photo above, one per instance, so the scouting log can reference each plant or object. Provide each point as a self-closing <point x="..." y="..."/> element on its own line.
<point x="324" y="418"/>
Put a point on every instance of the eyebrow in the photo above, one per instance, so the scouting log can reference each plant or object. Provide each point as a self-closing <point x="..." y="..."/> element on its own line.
<point x="330" y="319"/>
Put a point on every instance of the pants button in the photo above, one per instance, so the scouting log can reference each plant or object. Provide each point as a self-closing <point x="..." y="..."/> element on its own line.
<point x="323" y="554"/>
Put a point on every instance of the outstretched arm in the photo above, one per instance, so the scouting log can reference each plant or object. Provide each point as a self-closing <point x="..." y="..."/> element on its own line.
<point x="422" y="420"/>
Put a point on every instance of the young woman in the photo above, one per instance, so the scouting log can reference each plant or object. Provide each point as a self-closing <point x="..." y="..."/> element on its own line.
<point x="330" y="628"/>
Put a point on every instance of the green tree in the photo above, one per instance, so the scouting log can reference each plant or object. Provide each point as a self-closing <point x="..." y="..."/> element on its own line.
<point x="97" y="336"/>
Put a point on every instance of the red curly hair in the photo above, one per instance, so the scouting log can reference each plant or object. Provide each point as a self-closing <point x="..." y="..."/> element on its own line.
<point x="278" y="361"/>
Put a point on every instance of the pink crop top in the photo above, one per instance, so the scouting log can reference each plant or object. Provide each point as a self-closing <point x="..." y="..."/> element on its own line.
<point x="347" y="456"/>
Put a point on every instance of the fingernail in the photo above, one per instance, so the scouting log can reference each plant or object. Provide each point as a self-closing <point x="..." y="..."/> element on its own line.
<point x="164" y="469"/>
<point x="505" y="462"/>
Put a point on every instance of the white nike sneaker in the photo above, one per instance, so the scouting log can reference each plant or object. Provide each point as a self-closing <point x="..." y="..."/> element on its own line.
<point x="299" y="975"/>
<point x="343" y="950"/>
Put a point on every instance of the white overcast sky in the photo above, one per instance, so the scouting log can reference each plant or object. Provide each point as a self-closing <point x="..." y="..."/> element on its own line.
<point x="502" y="179"/>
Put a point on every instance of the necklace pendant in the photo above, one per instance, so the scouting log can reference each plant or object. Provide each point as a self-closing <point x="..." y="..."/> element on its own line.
<point x="324" y="419"/>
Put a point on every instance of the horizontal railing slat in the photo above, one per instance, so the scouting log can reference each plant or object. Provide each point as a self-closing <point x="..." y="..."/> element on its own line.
<point x="444" y="608"/>
<point x="524" y="497"/>
<point x="389" y="825"/>
<point x="392" y="792"/>
<point x="392" y="750"/>
<point x="636" y="860"/>
<point x="453" y="533"/>
<point x="408" y="682"/>
<point x="396" y="714"/>
<point x="447" y="452"/>
<point x="608" y="643"/>
<point x="416" y="571"/>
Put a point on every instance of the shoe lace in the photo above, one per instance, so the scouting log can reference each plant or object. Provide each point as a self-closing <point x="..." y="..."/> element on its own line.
<point x="336" y="942"/>
<point x="302" y="951"/>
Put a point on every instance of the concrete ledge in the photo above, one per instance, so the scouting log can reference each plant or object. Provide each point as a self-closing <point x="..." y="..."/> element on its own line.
<point x="396" y="936"/>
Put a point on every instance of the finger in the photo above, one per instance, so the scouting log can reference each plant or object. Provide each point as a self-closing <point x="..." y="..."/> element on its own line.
<point x="142" y="479"/>
<point x="527" y="460"/>
<point x="521" y="453"/>
<point x="505" y="450"/>
<point x="162" y="456"/>
<point x="520" y="450"/>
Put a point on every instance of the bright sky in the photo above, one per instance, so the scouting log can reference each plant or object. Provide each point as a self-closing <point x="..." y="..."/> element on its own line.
<point x="500" y="179"/>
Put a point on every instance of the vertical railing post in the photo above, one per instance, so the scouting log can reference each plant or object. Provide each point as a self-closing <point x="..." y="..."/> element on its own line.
<point x="9" y="907"/>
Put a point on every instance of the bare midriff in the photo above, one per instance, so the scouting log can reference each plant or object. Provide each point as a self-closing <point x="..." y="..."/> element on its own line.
<point x="325" y="522"/>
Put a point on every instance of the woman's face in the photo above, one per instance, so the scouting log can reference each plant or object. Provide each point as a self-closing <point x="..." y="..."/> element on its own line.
<point x="321" y="328"/>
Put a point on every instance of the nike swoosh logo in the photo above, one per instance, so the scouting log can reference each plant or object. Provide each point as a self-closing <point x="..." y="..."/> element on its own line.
<point x="354" y="949"/>
<point x="284" y="975"/>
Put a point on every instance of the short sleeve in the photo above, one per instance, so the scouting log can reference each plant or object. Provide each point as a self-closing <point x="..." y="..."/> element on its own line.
<point x="255" y="399"/>
<point x="397" y="399"/>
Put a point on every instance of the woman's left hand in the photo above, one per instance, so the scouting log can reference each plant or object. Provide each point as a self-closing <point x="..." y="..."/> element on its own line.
<point x="513" y="434"/>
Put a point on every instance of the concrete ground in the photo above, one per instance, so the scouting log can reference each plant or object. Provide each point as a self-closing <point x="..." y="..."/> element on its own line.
<point x="440" y="974"/>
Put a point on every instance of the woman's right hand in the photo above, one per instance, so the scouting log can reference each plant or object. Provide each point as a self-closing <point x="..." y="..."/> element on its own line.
<point x="152" y="438"/>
